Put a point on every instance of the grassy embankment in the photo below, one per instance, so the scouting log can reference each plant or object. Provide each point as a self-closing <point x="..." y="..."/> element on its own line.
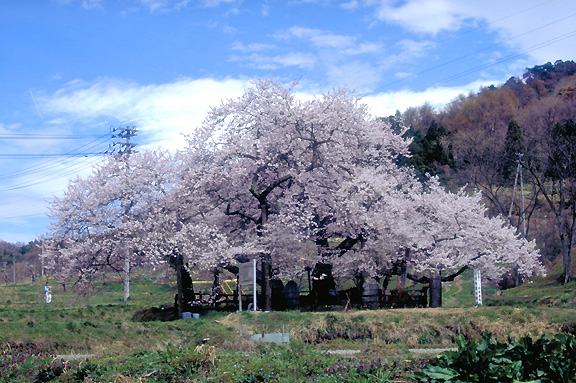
<point x="101" y="326"/>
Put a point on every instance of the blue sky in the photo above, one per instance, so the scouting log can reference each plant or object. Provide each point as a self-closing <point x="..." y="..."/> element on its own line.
<point x="71" y="69"/>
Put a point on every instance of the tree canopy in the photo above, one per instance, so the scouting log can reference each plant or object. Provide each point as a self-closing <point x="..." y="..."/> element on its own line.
<point x="268" y="176"/>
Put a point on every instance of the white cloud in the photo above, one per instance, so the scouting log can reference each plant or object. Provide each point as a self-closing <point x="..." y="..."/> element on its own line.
<point x="9" y="128"/>
<point x="160" y="112"/>
<point x="541" y="30"/>
<point x="351" y="5"/>
<point x="407" y="51"/>
<point x="162" y="6"/>
<point x="403" y="75"/>
<point x="265" y="10"/>
<point x="92" y="4"/>
<point x="323" y="39"/>
<point x="254" y="47"/>
<point x="354" y="74"/>
<point x="297" y="59"/>
<point x="292" y="59"/>
<point x="386" y="104"/>
<point x="426" y="16"/>
<point x="342" y="44"/>
<point x="364" y="48"/>
<point x="216" y="3"/>
<point x="156" y="5"/>
<point x="414" y="49"/>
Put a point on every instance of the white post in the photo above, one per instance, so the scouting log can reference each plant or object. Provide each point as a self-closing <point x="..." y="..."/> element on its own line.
<point x="126" y="273"/>
<point x="478" y="287"/>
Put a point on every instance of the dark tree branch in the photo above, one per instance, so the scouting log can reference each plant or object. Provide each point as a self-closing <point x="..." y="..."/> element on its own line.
<point x="414" y="278"/>
<point x="451" y="277"/>
<point x="239" y="213"/>
<point x="262" y="196"/>
<point x="348" y="244"/>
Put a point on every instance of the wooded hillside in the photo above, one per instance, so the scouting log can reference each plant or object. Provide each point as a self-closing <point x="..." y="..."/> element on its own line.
<point x="478" y="139"/>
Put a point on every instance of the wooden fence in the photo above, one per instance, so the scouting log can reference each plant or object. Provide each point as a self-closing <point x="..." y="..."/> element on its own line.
<point x="402" y="299"/>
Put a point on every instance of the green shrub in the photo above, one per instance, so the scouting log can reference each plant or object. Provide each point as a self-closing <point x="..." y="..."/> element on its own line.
<point x="283" y="365"/>
<point x="490" y="361"/>
<point x="72" y="326"/>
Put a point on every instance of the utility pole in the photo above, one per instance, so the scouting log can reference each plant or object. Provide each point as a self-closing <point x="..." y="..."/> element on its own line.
<point x="126" y="149"/>
<point x="522" y="195"/>
<point x="14" y="266"/>
<point x="519" y="175"/>
<point x="519" y="172"/>
<point x="516" y="275"/>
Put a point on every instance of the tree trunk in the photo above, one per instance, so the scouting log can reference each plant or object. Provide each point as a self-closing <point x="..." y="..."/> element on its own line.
<point x="266" y="285"/>
<point x="567" y="232"/>
<point x="403" y="270"/>
<point x="266" y="266"/>
<point x="556" y="201"/>
<point x="435" y="289"/>
<point x="566" y="259"/>
<point x="385" y="283"/>
<point x="180" y="292"/>
<point x="359" y="281"/>
<point x="516" y="275"/>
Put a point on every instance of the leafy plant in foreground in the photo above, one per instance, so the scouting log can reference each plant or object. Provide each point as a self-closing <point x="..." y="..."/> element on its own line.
<point x="490" y="361"/>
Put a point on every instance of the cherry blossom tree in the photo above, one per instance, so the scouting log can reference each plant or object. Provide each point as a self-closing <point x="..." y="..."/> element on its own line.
<point x="266" y="176"/>
<point x="98" y="225"/>
<point x="284" y="173"/>
<point x="247" y="144"/>
<point x="451" y="232"/>
<point x="424" y="228"/>
<point x="286" y="167"/>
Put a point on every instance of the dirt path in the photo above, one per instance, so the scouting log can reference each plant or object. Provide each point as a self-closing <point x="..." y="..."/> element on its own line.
<point x="458" y="285"/>
<point x="431" y="351"/>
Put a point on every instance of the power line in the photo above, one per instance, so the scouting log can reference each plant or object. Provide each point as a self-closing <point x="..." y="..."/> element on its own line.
<point x="29" y="211"/>
<point x="26" y="136"/>
<point x="53" y="155"/>
<point x="23" y="216"/>
<point x="472" y="54"/>
<point x="79" y="160"/>
<point x="507" y="58"/>
<point x="65" y="164"/>
<point x="44" y="166"/>
<point x="84" y="163"/>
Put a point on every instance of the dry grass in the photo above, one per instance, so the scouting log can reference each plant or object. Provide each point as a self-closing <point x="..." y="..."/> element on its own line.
<point x="104" y="327"/>
<point x="400" y="329"/>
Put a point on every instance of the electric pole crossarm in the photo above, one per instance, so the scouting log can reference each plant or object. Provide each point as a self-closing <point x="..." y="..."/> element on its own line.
<point x="126" y="147"/>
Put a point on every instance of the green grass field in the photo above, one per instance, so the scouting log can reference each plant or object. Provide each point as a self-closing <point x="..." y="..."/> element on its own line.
<point x="98" y="326"/>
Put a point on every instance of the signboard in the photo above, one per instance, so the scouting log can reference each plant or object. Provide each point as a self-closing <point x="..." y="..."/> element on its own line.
<point x="246" y="274"/>
<point x="247" y="277"/>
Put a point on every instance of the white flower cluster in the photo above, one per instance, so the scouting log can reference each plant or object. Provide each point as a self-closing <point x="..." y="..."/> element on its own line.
<point x="292" y="182"/>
